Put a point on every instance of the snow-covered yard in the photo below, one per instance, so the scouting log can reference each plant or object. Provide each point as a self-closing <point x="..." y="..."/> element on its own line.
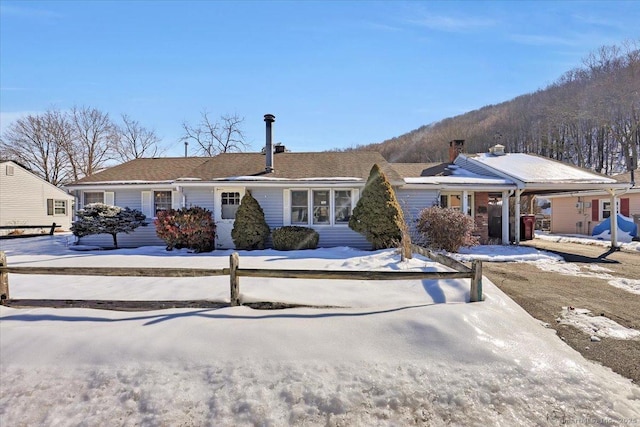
<point x="395" y="353"/>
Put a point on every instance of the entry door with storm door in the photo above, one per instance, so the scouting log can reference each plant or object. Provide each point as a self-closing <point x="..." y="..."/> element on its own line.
<point x="225" y="206"/>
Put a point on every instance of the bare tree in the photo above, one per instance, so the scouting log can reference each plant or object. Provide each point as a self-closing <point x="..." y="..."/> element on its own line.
<point x="222" y="136"/>
<point x="38" y="142"/>
<point x="94" y="142"/>
<point x="136" y="141"/>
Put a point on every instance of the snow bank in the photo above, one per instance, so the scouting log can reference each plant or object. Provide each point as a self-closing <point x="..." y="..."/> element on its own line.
<point x="396" y="353"/>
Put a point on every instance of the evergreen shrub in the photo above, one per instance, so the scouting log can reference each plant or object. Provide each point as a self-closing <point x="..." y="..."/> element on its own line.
<point x="191" y="228"/>
<point x="294" y="237"/>
<point x="250" y="229"/>
<point x="98" y="218"/>
<point x="445" y="228"/>
<point x="378" y="215"/>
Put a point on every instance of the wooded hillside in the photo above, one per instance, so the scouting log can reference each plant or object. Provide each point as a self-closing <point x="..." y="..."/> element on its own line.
<point x="589" y="117"/>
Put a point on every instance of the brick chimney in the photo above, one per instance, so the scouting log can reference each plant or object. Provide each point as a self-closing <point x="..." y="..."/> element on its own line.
<point x="269" y="119"/>
<point x="455" y="147"/>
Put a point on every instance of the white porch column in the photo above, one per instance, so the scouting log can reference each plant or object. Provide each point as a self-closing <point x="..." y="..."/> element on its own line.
<point x="516" y="214"/>
<point x="614" y="218"/>
<point x="465" y="202"/>
<point x="505" y="217"/>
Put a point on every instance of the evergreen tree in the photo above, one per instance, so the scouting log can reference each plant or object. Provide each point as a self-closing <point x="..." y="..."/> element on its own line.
<point x="250" y="229"/>
<point x="378" y="215"/>
<point x="98" y="218"/>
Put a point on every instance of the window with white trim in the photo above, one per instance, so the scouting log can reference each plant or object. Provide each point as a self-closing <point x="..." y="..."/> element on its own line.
<point x="299" y="207"/>
<point x="161" y="201"/>
<point x="605" y="209"/>
<point x="230" y="203"/>
<point x="342" y="206"/>
<point x="56" y="207"/>
<point x="328" y="206"/>
<point x="321" y="207"/>
<point x="93" y="197"/>
<point x="454" y="201"/>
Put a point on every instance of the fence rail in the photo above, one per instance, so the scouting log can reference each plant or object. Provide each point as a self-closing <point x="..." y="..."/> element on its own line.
<point x="235" y="272"/>
<point x="52" y="229"/>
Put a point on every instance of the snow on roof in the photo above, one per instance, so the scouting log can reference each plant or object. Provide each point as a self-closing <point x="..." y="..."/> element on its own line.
<point x="459" y="176"/>
<point x="267" y="178"/>
<point x="530" y="168"/>
<point x="480" y="180"/>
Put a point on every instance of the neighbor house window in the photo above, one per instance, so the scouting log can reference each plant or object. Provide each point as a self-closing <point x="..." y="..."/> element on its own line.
<point x="230" y="204"/>
<point x="605" y="209"/>
<point x="93" y="197"/>
<point x="342" y="206"/>
<point x="161" y="201"/>
<point x="299" y="207"/>
<point x="56" y="207"/>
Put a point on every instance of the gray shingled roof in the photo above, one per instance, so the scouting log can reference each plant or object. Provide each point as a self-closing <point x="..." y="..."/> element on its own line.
<point x="414" y="170"/>
<point x="147" y="170"/>
<point x="353" y="164"/>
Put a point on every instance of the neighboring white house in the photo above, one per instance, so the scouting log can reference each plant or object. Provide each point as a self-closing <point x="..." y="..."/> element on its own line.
<point x="27" y="199"/>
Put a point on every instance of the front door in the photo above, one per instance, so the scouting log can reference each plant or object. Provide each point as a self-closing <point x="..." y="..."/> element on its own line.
<point x="225" y="207"/>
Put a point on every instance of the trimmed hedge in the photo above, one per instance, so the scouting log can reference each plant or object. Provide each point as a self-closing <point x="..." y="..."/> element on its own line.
<point x="293" y="237"/>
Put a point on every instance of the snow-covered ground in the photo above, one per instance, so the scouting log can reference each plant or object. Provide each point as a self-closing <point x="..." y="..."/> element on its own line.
<point x="547" y="261"/>
<point x="395" y="353"/>
<point x="587" y="240"/>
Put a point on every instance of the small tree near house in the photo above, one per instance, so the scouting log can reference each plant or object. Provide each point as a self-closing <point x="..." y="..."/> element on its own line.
<point x="378" y="215"/>
<point x="191" y="228"/>
<point x="445" y="228"/>
<point x="98" y="218"/>
<point x="250" y="229"/>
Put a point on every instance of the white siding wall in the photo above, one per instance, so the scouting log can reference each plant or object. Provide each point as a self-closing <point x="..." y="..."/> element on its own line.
<point x="412" y="203"/>
<point x="23" y="199"/>
<point x="271" y="201"/>
<point x="202" y="197"/>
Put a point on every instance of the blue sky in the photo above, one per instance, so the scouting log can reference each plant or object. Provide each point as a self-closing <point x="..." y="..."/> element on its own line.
<point x="335" y="74"/>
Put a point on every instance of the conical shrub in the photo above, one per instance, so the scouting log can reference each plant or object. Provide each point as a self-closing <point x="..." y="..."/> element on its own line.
<point x="378" y="215"/>
<point x="250" y="229"/>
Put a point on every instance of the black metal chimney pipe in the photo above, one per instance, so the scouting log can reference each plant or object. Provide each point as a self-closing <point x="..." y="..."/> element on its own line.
<point x="269" y="119"/>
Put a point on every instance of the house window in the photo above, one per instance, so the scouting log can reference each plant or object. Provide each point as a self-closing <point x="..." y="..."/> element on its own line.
<point x="328" y="207"/>
<point x="454" y="201"/>
<point x="93" y="197"/>
<point x="56" y="207"/>
<point x="321" y="207"/>
<point x="9" y="170"/>
<point x="161" y="201"/>
<point x="299" y="207"/>
<point x="230" y="204"/>
<point x="342" y="206"/>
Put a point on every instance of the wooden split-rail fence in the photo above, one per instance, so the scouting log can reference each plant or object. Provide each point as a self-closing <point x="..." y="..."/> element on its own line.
<point x="461" y="271"/>
<point x="51" y="228"/>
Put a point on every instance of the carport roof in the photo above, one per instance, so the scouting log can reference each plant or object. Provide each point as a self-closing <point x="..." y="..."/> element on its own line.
<point x="538" y="174"/>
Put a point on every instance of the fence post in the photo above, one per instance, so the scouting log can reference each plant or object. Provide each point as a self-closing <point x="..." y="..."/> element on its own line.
<point x="234" y="261"/>
<point x="476" y="281"/>
<point x="4" y="279"/>
<point x="53" y="229"/>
